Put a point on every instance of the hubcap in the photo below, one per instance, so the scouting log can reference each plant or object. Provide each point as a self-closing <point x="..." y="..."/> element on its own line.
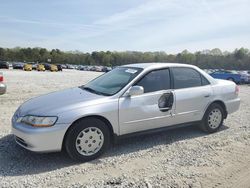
<point x="89" y="141"/>
<point x="214" y="118"/>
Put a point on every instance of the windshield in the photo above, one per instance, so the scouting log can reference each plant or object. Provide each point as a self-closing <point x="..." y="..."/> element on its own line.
<point x="112" y="82"/>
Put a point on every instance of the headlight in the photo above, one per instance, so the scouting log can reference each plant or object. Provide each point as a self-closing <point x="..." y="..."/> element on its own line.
<point x="38" y="121"/>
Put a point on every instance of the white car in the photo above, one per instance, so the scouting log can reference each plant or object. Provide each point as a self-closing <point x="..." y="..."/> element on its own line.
<point x="129" y="99"/>
<point x="245" y="76"/>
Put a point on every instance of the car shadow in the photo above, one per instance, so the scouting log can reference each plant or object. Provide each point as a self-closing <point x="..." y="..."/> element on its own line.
<point x="16" y="161"/>
<point x="142" y="142"/>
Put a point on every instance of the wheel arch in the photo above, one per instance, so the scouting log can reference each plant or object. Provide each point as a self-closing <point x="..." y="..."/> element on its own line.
<point x="103" y="119"/>
<point x="222" y="104"/>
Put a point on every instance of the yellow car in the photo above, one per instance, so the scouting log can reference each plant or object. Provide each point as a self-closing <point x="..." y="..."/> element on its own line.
<point x="27" y="67"/>
<point x="40" y="67"/>
<point x="53" y="68"/>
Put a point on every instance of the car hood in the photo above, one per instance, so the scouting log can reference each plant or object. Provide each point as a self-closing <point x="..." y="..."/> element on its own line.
<point x="57" y="102"/>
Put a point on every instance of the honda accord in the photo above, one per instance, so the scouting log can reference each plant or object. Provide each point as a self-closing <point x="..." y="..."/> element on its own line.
<point x="129" y="99"/>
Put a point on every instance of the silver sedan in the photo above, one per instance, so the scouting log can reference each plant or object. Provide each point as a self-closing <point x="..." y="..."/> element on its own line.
<point x="129" y="99"/>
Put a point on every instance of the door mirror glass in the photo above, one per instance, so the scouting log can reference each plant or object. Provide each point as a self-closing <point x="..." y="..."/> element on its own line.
<point x="166" y="101"/>
<point x="135" y="90"/>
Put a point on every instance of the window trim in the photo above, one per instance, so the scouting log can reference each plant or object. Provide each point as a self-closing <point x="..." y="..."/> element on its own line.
<point x="172" y="75"/>
<point x="202" y="76"/>
<point x="146" y="73"/>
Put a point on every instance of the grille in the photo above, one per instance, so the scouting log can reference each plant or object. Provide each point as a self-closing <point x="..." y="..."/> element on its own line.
<point x="21" y="141"/>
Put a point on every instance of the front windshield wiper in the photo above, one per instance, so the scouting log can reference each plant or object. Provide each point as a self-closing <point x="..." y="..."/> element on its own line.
<point x="94" y="91"/>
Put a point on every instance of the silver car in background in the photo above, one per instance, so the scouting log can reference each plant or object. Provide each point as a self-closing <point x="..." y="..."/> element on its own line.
<point x="129" y="99"/>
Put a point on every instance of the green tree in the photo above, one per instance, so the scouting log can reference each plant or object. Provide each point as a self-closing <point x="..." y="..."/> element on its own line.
<point x="215" y="58"/>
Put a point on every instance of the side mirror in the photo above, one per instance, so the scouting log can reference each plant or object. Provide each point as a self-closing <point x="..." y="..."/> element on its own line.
<point x="135" y="90"/>
<point x="165" y="102"/>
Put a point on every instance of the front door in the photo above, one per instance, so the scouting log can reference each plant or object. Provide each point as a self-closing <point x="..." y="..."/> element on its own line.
<point x="152" y="109"/>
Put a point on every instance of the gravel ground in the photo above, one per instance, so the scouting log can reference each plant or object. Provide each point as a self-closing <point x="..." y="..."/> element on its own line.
<point x="184" y="157"/>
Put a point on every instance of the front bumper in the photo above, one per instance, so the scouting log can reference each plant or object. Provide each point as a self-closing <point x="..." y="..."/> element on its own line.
<point x="2" y="88"/>
<point x="43" y="139"/>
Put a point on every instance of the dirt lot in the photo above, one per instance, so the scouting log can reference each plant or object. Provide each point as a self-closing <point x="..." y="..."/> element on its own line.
<point x="183" y="157"/>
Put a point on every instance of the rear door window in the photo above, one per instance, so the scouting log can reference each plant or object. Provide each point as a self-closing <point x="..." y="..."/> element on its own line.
<point x="186" y="77"/>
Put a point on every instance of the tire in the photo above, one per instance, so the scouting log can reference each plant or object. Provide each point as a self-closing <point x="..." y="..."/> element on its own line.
<point x="87" y="139"/>
<point x="213" y="118"/>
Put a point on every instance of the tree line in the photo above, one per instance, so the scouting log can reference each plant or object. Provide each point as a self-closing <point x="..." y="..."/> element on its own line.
<point x="239" y="59"/>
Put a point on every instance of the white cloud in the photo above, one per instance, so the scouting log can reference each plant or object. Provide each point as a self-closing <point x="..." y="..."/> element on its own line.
<point x="170" y="25"/>
<point x="4" y="19"/>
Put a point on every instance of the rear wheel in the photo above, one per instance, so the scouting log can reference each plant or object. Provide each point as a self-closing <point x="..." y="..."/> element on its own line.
<point x="213" y="118"/>
<point x="87" y="139"/>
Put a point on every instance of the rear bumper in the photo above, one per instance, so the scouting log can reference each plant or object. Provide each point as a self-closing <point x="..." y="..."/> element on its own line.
<point x="3" y="88"/>
<point x="233" y="105"/>
<point x="47" y="139"/>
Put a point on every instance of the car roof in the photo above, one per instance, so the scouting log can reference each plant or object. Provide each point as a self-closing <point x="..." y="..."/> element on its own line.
<point x="155" y="65"/>
<point x="159" y="65"/>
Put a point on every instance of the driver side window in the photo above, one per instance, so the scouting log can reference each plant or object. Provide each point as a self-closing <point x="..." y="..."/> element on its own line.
<point x="155" y="81"/>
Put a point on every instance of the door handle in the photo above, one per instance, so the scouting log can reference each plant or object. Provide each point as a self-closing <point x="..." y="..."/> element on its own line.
<point x="206" y="96"/>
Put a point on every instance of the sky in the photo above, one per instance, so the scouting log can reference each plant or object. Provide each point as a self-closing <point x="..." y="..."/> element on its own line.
<point x="134" y="25"/>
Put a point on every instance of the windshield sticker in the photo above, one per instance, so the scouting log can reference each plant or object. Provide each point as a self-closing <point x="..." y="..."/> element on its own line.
<point x="131" y="71"/>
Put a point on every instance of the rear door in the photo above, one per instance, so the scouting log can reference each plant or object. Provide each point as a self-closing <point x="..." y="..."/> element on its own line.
<point x="192" y="92"/>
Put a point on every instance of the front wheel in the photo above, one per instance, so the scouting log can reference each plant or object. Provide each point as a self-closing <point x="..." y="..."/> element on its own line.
<point x="87" y="139"/>
<point x="213" y="118"/>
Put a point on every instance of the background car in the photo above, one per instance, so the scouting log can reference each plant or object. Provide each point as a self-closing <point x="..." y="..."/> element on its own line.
<point x="18" y="65"/>
<point x="53" y="68"/>
<point x="227" y="75"/>
<point x="64" y="66"/>
<point x="98" y="68"/>
<point x="27" y="67"/>
<point x="92" y="68"/>
<point x="245" y="76"/>
<point x="106" y="69"/>
<point x="34" y="65"/>
<point x="46" y="66"/>
<point x="4" y="65"/>
<point x="81" y="67"/>
<point x="2" y="85"/>
<point x="59" y="67"/>
<point x="68" y="66"/>
<point x="40" y="67"/>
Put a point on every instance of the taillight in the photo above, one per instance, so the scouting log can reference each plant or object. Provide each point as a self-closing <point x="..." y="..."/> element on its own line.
<point x="1" y="78"/>
<point x="237" y="89"/>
